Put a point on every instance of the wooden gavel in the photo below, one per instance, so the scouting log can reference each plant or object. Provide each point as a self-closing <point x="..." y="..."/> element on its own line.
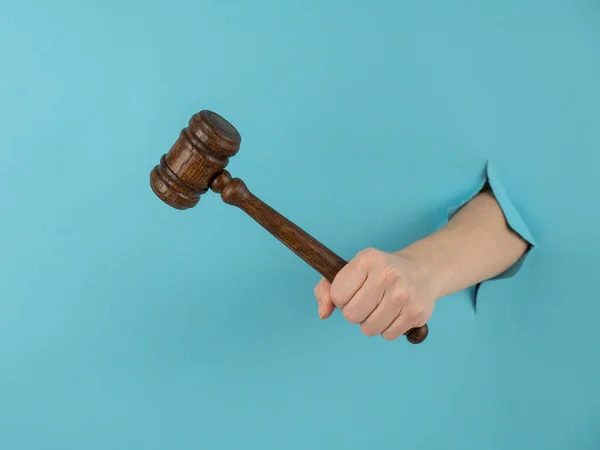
<point x="197" y="162"/>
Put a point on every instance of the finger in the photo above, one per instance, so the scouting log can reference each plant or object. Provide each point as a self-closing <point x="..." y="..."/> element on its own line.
<point x="325" y="305"/>
<point x="347" y="282"/>
<point x="364" y="302"/>
<point x="398" y="327"/>
<point x="383" y="315"/>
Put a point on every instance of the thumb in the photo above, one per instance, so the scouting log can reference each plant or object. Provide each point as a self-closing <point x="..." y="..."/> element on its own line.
<point x="322" y="292"/>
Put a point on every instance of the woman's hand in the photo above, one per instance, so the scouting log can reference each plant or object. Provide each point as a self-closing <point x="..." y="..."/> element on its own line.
<point x="386" y="293"/>
<point x="390" y="293"/>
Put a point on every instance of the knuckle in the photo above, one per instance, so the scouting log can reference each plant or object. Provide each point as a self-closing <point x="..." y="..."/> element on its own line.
<point x="336" y="292"/>
<point x="350" y="315"/>
<point x="337" y="299"/>
<point x="412" y="307"/>
<point x="390" y="275"/>
<point x="368" y="330"/>
<point x="368" y="255"/>
<point x="412" y="314"/>
<point x="366" y="251"/>
<point x="388" y="335"/>
<point x="416" y="313"/>
<point x="404" y="298"/>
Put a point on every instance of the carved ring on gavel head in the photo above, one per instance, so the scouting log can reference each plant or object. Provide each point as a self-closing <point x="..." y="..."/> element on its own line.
<point x="196" y="163"/>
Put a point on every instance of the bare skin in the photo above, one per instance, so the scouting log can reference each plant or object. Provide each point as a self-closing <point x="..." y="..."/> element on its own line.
<point x="390" y="293"/>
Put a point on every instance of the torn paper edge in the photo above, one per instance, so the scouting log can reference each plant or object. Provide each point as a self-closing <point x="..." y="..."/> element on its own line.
<point x="512" y="216"/>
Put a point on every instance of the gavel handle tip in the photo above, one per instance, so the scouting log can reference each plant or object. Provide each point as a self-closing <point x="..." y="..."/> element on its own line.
<point x="417" y="335"/>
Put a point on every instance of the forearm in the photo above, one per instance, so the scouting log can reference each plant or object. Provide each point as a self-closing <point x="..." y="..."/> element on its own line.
<point x="476" y="245"/>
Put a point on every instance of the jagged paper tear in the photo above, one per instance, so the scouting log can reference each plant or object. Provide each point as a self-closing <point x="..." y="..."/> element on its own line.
<point x="513" y="218"/>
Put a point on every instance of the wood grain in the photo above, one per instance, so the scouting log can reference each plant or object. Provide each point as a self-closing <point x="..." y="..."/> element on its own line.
<point x="197" y="162"/>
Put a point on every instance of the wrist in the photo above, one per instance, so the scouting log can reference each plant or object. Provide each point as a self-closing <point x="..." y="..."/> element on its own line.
<point x="433" y="256"/>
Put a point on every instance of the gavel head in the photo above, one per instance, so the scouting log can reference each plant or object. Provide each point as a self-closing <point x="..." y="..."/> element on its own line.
<point x="200" y="154"/>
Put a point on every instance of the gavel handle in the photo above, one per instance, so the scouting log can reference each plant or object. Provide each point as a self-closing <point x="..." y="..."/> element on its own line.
<point x="235" y="192"/>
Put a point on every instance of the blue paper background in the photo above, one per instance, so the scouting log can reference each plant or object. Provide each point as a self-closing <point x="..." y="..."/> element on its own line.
<point x="125" y="324"/>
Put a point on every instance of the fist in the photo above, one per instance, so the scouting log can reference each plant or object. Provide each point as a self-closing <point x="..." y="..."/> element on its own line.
<point x="386" y="293"/>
